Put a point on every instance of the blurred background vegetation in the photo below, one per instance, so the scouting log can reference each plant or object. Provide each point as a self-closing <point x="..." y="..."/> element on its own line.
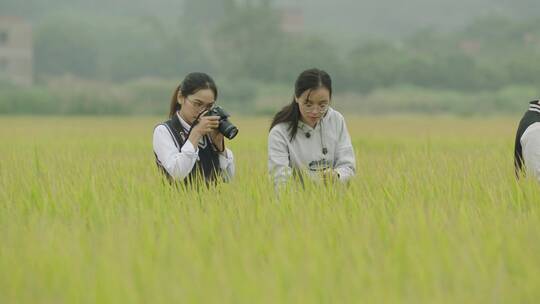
<point x="465" y="57"/>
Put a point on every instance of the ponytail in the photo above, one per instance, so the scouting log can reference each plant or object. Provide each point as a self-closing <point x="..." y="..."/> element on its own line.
<point x="175" y="106"/>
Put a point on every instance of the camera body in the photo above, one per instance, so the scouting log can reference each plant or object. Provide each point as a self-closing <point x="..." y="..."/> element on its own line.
<point x="225" y="126"/>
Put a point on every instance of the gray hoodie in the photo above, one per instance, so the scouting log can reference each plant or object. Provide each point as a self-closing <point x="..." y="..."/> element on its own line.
<point x="306" y="151"/>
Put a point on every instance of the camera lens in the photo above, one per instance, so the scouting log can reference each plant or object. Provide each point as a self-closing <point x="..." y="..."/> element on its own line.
<point x="228" y="129"/>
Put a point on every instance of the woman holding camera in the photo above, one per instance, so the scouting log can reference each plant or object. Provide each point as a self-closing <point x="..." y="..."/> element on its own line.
<point x="189" y="146"/>
<point x="308" y="137"/>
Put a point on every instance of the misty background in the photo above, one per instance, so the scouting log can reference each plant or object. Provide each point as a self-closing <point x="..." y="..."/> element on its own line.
<point x="464" y="57"/>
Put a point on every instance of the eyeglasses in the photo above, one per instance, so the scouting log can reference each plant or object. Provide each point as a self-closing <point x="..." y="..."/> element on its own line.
<point x="199" y="105"/>
<point x="312" y="108"/>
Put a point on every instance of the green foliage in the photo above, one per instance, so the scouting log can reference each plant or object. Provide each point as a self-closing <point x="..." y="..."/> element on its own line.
<point x="65" y="46"/>
<point x="410" y="99"/>
<point x="69" y="96"/>
<point x="238" y="94"/>
<point x="243" y="46"/>
<point x="433" y="216"/>
<point x="13" y="100"/>
<point x="246" y="96"/>
<point x="246" y="42"/>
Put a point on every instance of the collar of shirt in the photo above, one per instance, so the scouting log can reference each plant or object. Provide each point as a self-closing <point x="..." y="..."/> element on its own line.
<point x="185" y="125"/>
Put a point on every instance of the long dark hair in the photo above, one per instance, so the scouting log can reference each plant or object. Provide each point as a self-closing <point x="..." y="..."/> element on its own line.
<point x="193" y="83"/>
<point x="311" y="79"/>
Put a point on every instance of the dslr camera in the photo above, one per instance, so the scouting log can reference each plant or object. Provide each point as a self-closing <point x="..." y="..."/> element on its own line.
<point x="225" y="126"/>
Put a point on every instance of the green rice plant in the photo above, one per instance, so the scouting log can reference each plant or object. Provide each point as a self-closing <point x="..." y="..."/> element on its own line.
<point x="434" y="215"/>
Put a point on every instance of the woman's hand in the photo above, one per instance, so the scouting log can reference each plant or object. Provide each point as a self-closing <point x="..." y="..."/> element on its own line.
<point x="206" y="125"/>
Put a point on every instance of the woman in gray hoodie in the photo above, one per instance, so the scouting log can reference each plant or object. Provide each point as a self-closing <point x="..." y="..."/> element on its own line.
<point x="308" y="137"/>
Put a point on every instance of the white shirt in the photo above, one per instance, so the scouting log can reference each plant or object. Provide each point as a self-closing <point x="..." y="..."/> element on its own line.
<point x="530" y="147"/>
<point x="304" y="151"/>
<point x="180" y="163"/>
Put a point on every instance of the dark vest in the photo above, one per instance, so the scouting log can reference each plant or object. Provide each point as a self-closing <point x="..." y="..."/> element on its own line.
<point x="531" y="116"/>
<point x="206" y="168"/>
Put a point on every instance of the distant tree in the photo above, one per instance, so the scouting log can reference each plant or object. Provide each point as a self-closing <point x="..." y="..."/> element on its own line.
<point x="248" y="42"/>
<point x="374" y="64"/>
<point x="63" y="45"/>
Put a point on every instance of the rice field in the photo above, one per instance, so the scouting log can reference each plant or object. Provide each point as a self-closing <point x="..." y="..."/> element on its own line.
<point x="434" y="215"/>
